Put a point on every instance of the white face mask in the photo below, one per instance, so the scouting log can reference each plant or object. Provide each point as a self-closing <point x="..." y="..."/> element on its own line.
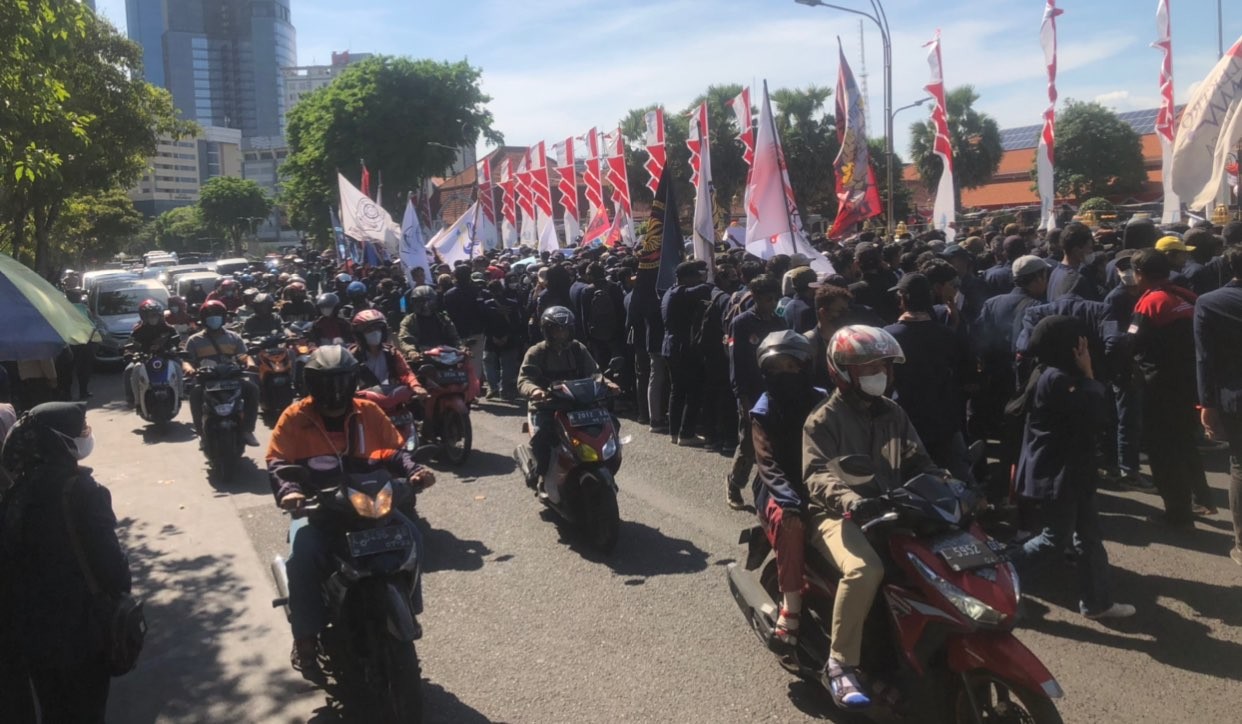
<point x="1127" y="277"/>
<point x="875" y="385"/>
<point x="79" y="447"/>
<point x="373" y="338"/>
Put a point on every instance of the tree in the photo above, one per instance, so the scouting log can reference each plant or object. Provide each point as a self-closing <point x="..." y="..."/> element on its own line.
<point x="96" y="226"/>
<point x="1097" y="203"/>
<point x="901" y="195"/>
<point x="233" y="206"/>
<point x="809" y="139"/>
<point x="180" y="229"/>
<point x="395" y="113"/>
<point x="974" y="137"/>
<point x="1097" y="153"/>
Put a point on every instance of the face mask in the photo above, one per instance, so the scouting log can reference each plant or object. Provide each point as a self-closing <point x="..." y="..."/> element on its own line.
<point x="373" y="338"/>
<point x="214" y="323"/>
<point x="1127" y="277"/>
<point x="79" y="447"/>
<point x="875" y="385"/>
<point x="326" y="311"/>
<point x="788" y="385"/>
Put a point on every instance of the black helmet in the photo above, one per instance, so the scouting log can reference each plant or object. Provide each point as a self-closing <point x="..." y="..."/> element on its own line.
<point x="331" y="377"/>
<point x="788" y="343"/>
<point x="262" y="303"/>
<point x="555" y="317"/>
<point x="327" y="299"/>
<point x="423" y="297"/>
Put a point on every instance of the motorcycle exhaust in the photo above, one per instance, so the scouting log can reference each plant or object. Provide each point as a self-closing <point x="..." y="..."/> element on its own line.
<point x="282" y="583"/>
<point x="754" y="601"/>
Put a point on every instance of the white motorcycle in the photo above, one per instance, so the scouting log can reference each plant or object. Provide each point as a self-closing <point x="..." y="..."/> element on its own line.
<point x="158" y="388"/>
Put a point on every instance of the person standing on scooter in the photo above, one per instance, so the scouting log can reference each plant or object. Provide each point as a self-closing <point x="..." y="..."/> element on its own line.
<point x="356" y="436"/>
<point x="558" y="357"/>
<point x="856" y="420"/>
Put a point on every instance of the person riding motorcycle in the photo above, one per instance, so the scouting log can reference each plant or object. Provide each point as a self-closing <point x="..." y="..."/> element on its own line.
<point x="781" y="497"/>
<point x="196" y="295"/>
<point x="178" y="315"/>
<point x="228" y="293"/>
<point x="380" y="362"/>
<point x="330" y="328"/>
<point x="341" y="286"/>
<point x="558" y="357"/>
<point x="296" y="307"/>
<point x="152" y="334"/>
<point x="858" y="419"/>
<point x="355" y="299"/>
<point x="263" y="322"/>
<point x="425" y="327"/>
<point x="330" y="425"/>
<point x="220" y="345"/>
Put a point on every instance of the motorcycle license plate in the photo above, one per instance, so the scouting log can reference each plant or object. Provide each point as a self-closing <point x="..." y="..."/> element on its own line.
<point x="378" y="540"/>
<point x="583" y="418"/>
<point x="964" y="552"/>
<point x="451" y="377"/>
<point x="223" y="386"/>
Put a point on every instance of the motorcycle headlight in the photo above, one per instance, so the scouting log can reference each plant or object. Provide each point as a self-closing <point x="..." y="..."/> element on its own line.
<point x="225" y="409"/>
<point x="610" y="448"/>
<point x="383" y="501"/>
<point x="968" y="605"/>
<point x="585" y="452"/>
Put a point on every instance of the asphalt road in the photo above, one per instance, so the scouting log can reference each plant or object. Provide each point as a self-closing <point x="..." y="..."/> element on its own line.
<point x="524" y="624"/>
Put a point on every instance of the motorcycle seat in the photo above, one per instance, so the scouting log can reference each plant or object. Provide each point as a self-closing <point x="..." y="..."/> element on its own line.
<point x="396" y="398"/>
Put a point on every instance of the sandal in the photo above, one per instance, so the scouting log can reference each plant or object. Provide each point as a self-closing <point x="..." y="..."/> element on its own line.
<point x="843" y="684"/>
<point x="784" y="640"/>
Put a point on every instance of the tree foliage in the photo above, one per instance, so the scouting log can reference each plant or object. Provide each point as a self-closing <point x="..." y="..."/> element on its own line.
<point x="973" y="135"/>
<point x="95" y="226"/>
<point x="1096" y="203"/>
<point x="233" y="206"/>
<point x="180" y="229"/>
<point x="394" y="113"/>
<point x="1097" y="153"/>
<point x="901" y="194"/>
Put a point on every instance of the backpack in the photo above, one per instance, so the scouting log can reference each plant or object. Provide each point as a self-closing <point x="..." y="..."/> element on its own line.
<point x="601" y="315"/>
<point x="706" y="324"/>
<point x="740" y="302"/>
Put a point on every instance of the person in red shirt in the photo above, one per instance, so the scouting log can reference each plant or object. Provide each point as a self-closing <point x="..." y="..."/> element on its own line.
<point x="228" y="293"/>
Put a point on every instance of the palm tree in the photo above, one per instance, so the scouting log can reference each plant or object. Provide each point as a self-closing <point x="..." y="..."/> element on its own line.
<point x="975" y="139"/>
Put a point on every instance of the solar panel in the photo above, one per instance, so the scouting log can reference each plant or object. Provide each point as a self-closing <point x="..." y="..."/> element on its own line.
<point x="1143" y="122"/>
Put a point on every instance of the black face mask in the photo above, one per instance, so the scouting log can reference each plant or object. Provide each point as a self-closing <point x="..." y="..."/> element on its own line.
<point x="788" y="387"/>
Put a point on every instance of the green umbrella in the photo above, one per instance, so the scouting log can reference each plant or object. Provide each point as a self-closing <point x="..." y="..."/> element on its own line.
<point x="38" y="320"/>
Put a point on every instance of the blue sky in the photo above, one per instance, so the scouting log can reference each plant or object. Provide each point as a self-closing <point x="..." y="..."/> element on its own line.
<point x="558" y="67"/>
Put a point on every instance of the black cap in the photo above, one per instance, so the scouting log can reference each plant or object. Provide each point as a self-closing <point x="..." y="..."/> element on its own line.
<point x="913" y="281"/>
<point x="691" y="267"/>
<point x="953" y="250"/>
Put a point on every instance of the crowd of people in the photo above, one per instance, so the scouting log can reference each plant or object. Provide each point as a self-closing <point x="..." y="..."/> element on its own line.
<point x="1070" y="352"/>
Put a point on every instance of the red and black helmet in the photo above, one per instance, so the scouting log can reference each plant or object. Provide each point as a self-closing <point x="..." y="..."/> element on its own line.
<point x="151" y="312"/>
<point x="213" y="308"/>
<point x="857" y="345"/>
<point x="369" y="320"/>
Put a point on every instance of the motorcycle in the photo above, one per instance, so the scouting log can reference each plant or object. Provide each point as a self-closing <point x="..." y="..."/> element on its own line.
<point x="371" y="596"/>
<point x="157" y="382"/>
<point x="223" y="412"/>
<point x="397" y="401"/>
<point x="444" y="371"/>
<point x="580" y="484"/>
<point x="938" y="643"/>
<point x="272" y="355"/>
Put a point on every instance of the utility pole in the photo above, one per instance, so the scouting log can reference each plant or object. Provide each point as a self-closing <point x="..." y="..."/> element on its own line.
<point x="862" y="51"/>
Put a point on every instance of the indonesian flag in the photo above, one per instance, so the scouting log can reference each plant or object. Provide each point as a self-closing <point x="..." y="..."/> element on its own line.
<point x="567" y="186"/>
<point x="597" y="230"/>
<point x="540" y="182"/>
<point x="858" y="197"/>
<point x="1208" y="133"/>
<point x="944" y="211"/>
<point x="699" y="143"/>
<point x="365" y="183"/>
<point x="592" y="178"/>
<point x="618" y="177"/>
<point x="526" y="202"/>
<point x="740" y="105"/>
<point x="485" y="230"/>
<point x="508" y="225"/>
<point x="1045" y="154"/>
<point x="1166" y="121"/>
<point x="653" y="138"/>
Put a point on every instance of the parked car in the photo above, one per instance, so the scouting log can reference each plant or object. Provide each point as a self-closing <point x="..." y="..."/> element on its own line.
<point x="114" y="308"/>
<point x="228" y="267"/>
<point x="91" y="279"/>
<point x="208" y="280"/>
<point x="168" y="277"/>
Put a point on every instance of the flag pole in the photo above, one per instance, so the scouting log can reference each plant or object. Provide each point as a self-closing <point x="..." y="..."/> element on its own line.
<point x="780" y="156"/>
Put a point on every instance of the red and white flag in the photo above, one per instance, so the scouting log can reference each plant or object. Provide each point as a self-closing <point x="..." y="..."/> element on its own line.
<point x="858" y="195"/>
<point x="527" y="233"/>
<point x="944" y="210"/>
<point x="653" y="139"/>
<point x="1166" y="117"/>
<point x="597" y="229"/>
<point x="567" y="185"/>
<point x="1045" y="155"/>
<point x="485" y="230"/>
<point x="508" y="223"/>
<point x="541" y="189"/>
<point x="618" y="177"/>
<point x="740" y="105"/>
<point x="699" y="142"/>
<point x="592" y="178"/>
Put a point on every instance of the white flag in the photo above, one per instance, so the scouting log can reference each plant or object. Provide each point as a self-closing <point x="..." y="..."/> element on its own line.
<point x="1230" y="137"/>
<point x="362" y="219"/>
<point x="704" y="227"/>
<point x="413" y="246"/>
<point x="1202" y="130"/>
<point x="454" y="244"/>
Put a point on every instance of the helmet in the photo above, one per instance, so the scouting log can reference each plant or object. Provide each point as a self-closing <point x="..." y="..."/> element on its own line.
<point x="343" y="278"/>
<point x="331" y="377"/>
<point x="283" y="278"/>
<point x="356" y="289"/>
<point x="249" y="295"/>
<point x="74" y="295"/>
<point x="214" y="308"/>
<point x="423" y="297"/>
<point x="247" y="280"/>
<point x="151" y="312"/>
<point x="788" y="343"/>
<point x="554" y="317"/>
<point x="368" y="319"/>
<point x="327" y="299"/>
<point x="295" y="290"/>
<point x="296" y="279"/>
<point x="262" y="304"/>
<point x="858" y="344"/>
<point x="229" y="287"/>
<point x="176" y="305"/>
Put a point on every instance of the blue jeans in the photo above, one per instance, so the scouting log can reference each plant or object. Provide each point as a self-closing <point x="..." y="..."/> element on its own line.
<point x="1074" y="517"/>
<point x="1129" y="403"/>
<point x="501" y="368"/>
<point x="309" y="565"/>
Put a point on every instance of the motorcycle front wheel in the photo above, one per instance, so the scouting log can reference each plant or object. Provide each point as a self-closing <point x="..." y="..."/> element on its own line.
<point x="456" y="437"/>
<point x="601" y="518"/>
<point x="403" y="682"/>
<point x="1000" y="702"/>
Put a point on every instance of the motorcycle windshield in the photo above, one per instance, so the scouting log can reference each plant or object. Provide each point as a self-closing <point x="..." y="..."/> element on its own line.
<point x="583" y="392"/>
<point x="936" y="497"/>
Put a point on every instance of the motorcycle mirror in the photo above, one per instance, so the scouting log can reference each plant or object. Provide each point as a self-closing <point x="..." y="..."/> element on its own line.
<point x="615" y="365"/>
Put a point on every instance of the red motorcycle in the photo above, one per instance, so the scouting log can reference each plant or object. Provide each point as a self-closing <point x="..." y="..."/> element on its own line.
<point x="451" y="387"/>
<point x="399" y="403"/>
<point x="938" y="644"/>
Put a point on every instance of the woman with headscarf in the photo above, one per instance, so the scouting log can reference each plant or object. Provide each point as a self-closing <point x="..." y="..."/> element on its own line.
<point x="1056" y="468"/>
<point x="50" y="628"/>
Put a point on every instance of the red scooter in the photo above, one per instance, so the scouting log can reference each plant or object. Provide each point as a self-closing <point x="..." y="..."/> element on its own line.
<point x="398" y="402"/>
<point x="451" y="387"/>
<point x="938" y="644"/>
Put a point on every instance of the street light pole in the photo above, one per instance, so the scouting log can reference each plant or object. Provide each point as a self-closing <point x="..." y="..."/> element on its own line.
<point x="880" y="18"/>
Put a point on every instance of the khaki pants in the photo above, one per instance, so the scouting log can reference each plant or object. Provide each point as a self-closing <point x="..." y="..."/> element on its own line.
<point x="843" y="543"/>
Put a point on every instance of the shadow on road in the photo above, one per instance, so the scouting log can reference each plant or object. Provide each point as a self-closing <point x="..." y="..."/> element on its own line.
<point x="811" y="699"/>
<point x="345" y="705"/>
<point x="174" y="432"/>
<point x="641" y="552"/>
<point x="246" y="477"/>
<point x="481" y="464"/>
<point x="447" y="552"/>
<point x="1125" y="521"/>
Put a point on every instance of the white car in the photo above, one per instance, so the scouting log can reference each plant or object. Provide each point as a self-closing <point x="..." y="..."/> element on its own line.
<point x="114" y="309"/>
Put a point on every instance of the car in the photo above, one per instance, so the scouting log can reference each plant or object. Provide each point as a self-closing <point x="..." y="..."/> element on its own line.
<point x="228" y="267"/>
<point x="168" y="275"/>
<point x="114" y="309"/>
<point x="92" y="278"/>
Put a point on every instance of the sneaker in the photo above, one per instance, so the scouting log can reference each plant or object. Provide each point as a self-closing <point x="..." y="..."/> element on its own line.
<point x="658" y="427"/>
<point x="694" y="441"/>
<point x="1117" y="610"/>
<point x="1136" y="482"/>
<point x="1200" y="509"/>
<point x="1236" y="555"/>
<point x="843" y="684"/>
<point x="733" y="496"/>
<point x="250" y="439"/>
<point x="643" y="420"/>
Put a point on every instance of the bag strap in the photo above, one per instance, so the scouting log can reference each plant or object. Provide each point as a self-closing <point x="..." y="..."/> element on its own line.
<point x="72" y="529"/>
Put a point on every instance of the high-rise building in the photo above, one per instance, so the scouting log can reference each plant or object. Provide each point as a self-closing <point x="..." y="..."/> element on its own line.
<point x="180" y="168"/>
<point x="220" y="59"/>
<point x="299" y="81"/>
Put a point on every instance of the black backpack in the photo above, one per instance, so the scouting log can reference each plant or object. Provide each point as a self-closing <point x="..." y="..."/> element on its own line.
<point x="601" y="314"/>
<point x="706" y="324"/>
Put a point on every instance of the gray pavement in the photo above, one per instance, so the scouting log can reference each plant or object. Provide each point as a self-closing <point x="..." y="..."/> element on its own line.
<point x="524" y="624"/>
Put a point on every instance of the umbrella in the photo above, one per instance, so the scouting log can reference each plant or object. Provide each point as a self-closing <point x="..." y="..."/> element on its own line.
<point x="38" y="320"/>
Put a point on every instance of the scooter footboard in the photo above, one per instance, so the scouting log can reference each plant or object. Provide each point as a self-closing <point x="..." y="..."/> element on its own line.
<point x="1003" y="655"/>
